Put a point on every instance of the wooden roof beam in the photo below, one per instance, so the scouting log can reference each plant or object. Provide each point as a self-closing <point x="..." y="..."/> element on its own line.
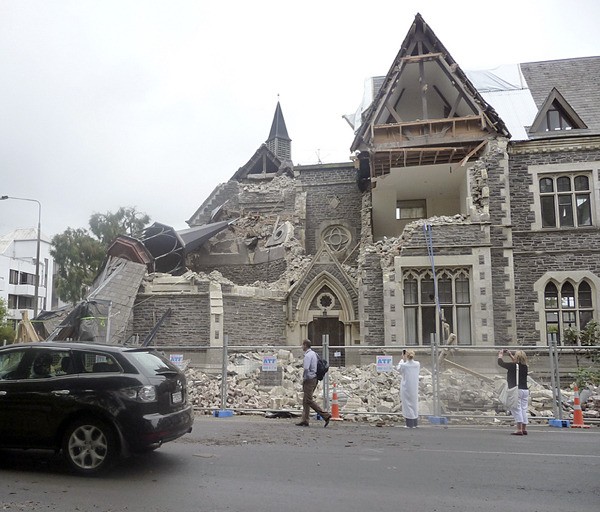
<point x="419" y="58"/>
<point x="459" y="86"/>
<point x="424" y="86"/>
<point x="392" y="108"/>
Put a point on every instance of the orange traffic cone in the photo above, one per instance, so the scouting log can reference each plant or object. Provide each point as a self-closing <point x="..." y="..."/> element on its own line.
<point x="335" y="408"/>
<point x="577" y="414"/>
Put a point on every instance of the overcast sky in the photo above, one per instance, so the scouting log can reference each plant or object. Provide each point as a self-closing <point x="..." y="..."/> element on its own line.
<point x="151" y="104"/>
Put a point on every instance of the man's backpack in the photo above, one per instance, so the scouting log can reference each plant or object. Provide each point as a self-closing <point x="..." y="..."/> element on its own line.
<point x="322" y="367"/>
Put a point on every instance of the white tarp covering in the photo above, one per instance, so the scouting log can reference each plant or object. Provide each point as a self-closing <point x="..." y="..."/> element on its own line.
<point x="502" y="78"/>
<point x="504" y="88"/>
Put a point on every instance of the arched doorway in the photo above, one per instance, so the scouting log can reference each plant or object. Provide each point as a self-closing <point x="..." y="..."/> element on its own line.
<point x="332" y="326"/>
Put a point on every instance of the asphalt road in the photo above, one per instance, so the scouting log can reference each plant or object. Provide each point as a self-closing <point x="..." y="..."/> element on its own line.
<point x="248" y="463"/>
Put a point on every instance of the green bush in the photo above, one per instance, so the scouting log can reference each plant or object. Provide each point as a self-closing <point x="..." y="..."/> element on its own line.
<point x="588" y="337"/>
<point x="587" y="376"/>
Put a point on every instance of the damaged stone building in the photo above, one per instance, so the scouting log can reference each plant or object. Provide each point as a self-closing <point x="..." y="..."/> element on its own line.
<point x="471" y="209"/>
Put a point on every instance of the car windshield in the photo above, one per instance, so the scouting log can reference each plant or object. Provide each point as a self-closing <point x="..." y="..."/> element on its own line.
<point x="152" y="364"/>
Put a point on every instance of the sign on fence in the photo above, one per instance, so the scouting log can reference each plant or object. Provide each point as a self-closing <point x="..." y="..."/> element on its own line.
<point x="384" y="363"/>
<point x="269" y="364"/>
<point x="176" y="359"/>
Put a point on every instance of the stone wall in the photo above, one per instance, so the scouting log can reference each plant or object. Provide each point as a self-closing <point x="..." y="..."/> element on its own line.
<point x="188" y="324"/>
<point x="497" y="170"/>
<point x="332" y="197"/>
<point x="521" y="181"/>
<point x="372" y="324"/>
<point x="252" y="320"/>
<point x="544" y="252"/>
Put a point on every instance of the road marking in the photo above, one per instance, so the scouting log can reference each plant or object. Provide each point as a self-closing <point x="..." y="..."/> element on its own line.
<point x="528" y="454"/>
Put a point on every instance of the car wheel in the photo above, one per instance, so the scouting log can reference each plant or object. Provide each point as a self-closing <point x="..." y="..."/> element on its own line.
<point x="89" y="446"/>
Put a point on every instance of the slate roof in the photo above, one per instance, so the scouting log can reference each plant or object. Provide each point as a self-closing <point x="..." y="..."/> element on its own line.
<point x="578" y="80"/>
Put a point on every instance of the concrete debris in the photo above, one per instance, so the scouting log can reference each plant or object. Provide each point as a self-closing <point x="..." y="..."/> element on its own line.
<point x="364" y="394"/>
<point x="296" y="264"/>
<point x="388" y="248"/>
<point x="281" y="182"/>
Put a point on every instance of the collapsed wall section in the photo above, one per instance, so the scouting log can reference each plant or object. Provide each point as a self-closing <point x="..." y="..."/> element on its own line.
<point x="246" y="274"/>
<point x="461" y="245"/>
<point x="460" y="250"/>
<point x="224" y="194"/>
<point x="248" y="251"/>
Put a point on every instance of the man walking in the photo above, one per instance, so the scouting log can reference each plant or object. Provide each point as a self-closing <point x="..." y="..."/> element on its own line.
<point x="309" y="384"/>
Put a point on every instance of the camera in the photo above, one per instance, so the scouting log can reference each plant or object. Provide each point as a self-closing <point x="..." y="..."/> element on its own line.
<point x="504" y="350"/>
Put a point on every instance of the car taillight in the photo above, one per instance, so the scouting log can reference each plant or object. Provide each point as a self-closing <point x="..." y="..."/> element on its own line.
<point x="142" y="394"/>
<point x="147" y="394"/>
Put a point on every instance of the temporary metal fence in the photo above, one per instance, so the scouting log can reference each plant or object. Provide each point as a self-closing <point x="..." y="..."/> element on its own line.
<point x="457" y="383"/>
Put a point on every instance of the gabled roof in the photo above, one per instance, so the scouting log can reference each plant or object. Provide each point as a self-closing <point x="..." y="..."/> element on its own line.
<point x="512" y="97"/>
<point x="446" y="94"/>
<point x="557" y="103"/>
<point x="263" y="164"/>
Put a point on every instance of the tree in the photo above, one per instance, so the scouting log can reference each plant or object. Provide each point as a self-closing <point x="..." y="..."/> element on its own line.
<point x="126" y="221"/>
<point x="3" y="311"/>
<point x="78" y="257"/>
<point x="7" y="333"/>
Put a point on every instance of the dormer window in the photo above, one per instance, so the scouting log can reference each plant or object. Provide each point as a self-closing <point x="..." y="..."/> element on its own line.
<point x="556" y="115"/>
<point x="556" y="119"/>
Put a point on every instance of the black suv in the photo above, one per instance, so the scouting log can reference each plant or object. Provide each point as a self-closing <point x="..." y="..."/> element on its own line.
<point x="93" y="402"/>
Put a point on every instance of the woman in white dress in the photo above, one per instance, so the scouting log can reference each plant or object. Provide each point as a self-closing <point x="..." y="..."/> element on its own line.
<point x="409" y="387"/>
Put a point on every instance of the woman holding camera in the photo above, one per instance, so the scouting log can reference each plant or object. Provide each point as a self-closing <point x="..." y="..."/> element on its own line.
<point x="518" y="362"/>
<point x="409" y="390"/>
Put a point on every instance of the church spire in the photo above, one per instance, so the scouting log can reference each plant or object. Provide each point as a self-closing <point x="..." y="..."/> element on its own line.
<point x="279" y="141"/>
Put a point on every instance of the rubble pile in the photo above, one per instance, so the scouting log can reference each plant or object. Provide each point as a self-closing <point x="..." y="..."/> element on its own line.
<point x="388" y="248"/>
<point x="364" y="394"/>
<point x="281" y="182"/>
<point x="590" y="402"/>
<point x="296" y="263"/>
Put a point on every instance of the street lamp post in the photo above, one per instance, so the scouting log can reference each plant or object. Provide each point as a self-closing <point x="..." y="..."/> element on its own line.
<point x="37" y="257"/>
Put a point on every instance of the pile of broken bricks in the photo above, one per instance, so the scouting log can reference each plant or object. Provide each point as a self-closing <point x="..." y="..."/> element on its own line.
<point x="364" y="394"/>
